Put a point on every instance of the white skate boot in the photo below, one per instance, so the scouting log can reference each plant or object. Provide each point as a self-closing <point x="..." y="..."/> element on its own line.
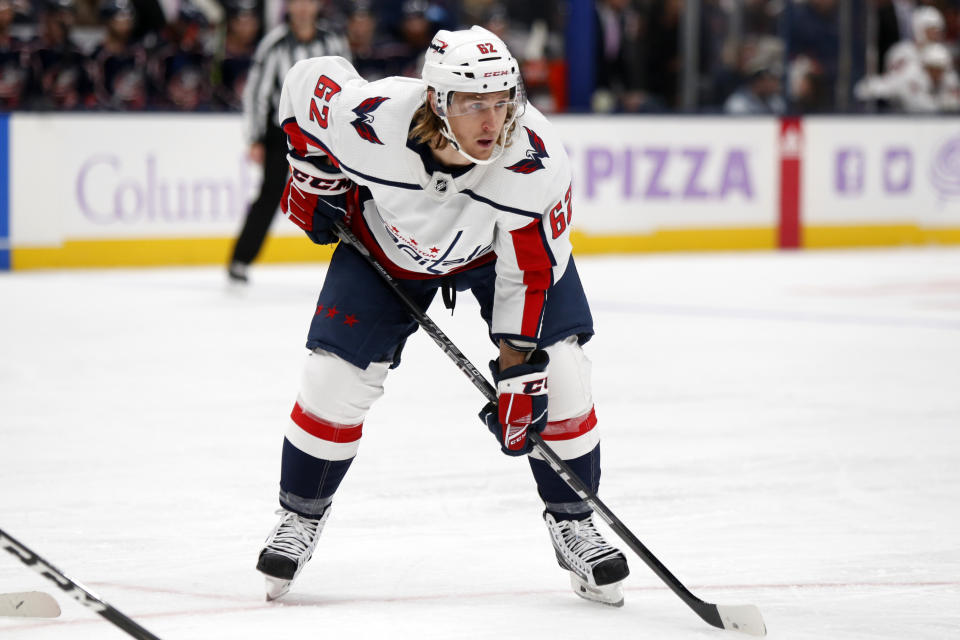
<point x="596" y="569"/>
<point x="288" y="547"/>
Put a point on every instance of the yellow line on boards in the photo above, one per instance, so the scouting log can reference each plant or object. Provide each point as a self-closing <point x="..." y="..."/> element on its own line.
<point x="839" y="236"/>
<point x="143" y="252"/>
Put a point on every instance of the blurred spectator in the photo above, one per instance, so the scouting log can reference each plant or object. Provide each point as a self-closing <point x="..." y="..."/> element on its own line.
<point x="610" y="29"/>
<point x="942" y="88"/>
<point x="740" y="58"/>
<point x="927" y="85"/>
<point x="661" y="51"/>
<point x="236" y="56"/>
<point x="496" y="20"/>
<point x="58" y="66"/>
<point x="760" y="17"/>
<point x="526" y="13"/>
<point x="14" y="63"/>
<point x="813" y="42"/>
<point x="150" y="21"/>
<point x="420" y="20"/>
<point x="26" y="12"/>
<point x="899" y="65"/>
<point x="900" y="70"/>
<point x="814" y="31"/>
<point x="544" y="79"/>
<point x="760" y="96"/>
<point x="638" y="48"/>
<point x="532" y="30"/>
<point x="526" y="43"/>
<point x="928" y="27"/>
<point x="807" y="86"/>
<point x="118" y="64"/>
<point x="616" y="71"/>
<point x="361" y="37"/>
<point x="181" y="65"/>
<point x="919" y="75"/>
<point x="85" y="13"/>
<point x="720" y="71"/>
<point x="373" y="57"/>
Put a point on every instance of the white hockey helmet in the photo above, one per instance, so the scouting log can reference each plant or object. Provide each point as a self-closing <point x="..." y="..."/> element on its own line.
<point x="925" y="18"/>
<point x="472" y="61"/>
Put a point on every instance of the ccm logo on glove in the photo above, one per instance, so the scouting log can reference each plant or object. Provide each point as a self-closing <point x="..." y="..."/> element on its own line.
<point x="330" y="185"/>
<point x="534" y="386"/>
<point x="313" y="202"/>
<point x="521" y="404"/>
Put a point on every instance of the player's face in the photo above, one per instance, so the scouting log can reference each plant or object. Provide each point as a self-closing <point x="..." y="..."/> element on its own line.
<point x="476" y="119"/>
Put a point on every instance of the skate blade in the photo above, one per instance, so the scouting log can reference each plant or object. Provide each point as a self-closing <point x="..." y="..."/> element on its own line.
<point x="276" y="587"/>
<point x="609" y="594"/>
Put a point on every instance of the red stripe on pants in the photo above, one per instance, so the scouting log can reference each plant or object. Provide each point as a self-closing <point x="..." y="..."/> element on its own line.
<point x="570" y="428"/>
<point x="329" y="431"/>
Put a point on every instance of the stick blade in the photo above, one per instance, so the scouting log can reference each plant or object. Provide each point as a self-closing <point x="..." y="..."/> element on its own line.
<point x="28" y="604"/>
<point x="744" y="618"/>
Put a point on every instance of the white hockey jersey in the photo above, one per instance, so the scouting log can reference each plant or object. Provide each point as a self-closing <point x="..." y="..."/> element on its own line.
<point x="908" y="86"/>
<point x="424" y="224"/>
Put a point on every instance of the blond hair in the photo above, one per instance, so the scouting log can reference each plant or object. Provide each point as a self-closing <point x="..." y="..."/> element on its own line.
<point x="427" y="127"/>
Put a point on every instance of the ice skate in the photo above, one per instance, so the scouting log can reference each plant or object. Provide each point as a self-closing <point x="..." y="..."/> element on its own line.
<point x="288" y="547"/>
<point x="596" y="568"/>
<point x="237" y="273"/>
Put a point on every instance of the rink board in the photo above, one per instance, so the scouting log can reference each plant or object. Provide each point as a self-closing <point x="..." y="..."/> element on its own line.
<point x="879" y="181"/>
<point x="152" y="189"/>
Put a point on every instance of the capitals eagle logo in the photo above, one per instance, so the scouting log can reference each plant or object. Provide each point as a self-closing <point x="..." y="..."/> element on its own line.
<point x="534" y="160"/>
<point x="363" y="122"/>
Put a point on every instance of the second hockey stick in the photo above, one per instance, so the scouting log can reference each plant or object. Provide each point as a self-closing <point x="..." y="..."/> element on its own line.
<point x="72" y="588"/>
<point x="744" y="618"/>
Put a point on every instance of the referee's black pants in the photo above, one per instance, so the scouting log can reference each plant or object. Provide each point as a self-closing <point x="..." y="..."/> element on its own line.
<point x="262" y="210"/>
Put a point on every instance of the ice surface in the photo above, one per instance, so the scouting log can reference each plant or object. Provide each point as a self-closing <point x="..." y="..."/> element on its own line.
<point x="780" y="429"/>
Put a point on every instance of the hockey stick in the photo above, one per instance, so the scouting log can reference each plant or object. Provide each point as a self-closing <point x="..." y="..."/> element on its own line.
<point x="745" y="618"/>
<point x="28" y="604"/>
<point x="73" y="588"/>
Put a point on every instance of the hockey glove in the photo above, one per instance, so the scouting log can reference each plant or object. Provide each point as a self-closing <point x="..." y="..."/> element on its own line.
<point x="315" y="203"/>
<point x="521" y="404"/>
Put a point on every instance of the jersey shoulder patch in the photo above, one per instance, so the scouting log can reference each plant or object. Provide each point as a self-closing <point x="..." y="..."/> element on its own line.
<point x="363" y="123"/>
<point x="535" y="154"/>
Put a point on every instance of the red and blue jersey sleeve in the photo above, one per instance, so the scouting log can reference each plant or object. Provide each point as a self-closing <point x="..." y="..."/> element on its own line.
<point x="532" y="254"/>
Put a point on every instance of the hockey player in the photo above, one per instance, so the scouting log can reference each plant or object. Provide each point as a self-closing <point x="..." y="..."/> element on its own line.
<point x="453" y="182"/>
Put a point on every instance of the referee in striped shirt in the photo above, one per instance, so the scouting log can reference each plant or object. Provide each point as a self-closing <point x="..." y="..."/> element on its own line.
<point x="280" y="49"/>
